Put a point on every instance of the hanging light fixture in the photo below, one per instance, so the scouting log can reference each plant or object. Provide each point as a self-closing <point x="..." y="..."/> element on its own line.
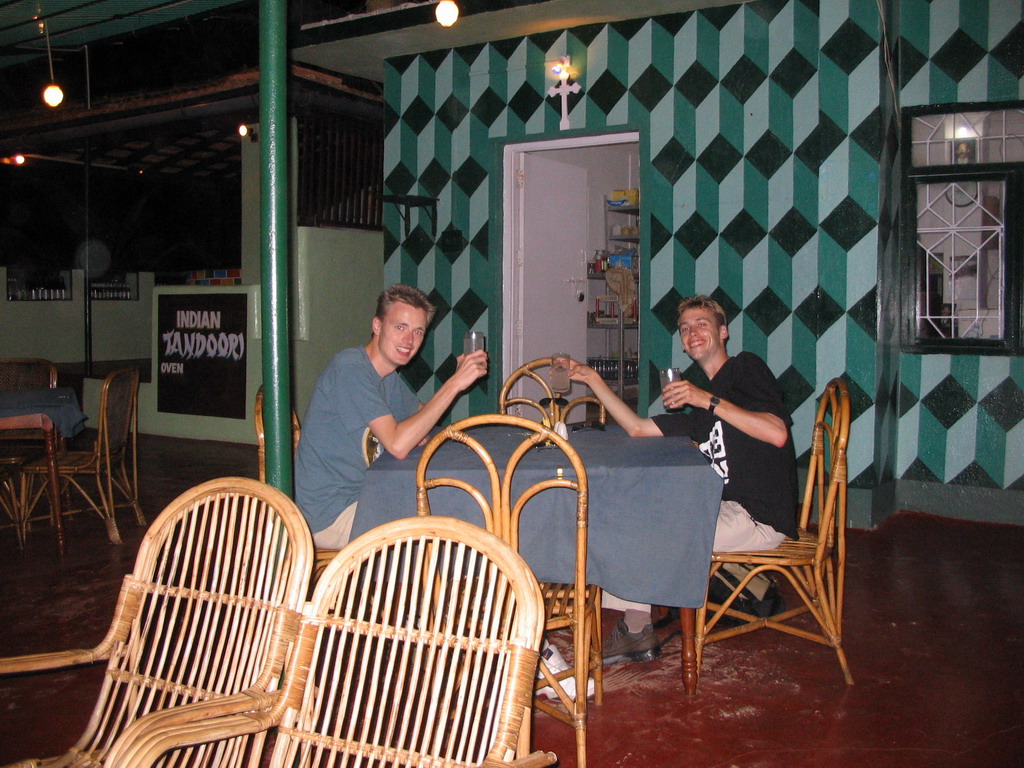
<point x="52" y="94"/>
<point x="446" y="12"/>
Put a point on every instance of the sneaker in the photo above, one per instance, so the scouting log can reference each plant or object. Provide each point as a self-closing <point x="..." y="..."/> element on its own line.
<point x="622" y="645"/>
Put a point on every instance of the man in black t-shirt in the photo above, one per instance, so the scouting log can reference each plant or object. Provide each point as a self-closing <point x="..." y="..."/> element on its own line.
<point x="741" y="425"/>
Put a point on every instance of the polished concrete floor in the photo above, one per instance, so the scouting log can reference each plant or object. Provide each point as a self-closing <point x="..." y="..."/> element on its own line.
<point x="934" y="634"/>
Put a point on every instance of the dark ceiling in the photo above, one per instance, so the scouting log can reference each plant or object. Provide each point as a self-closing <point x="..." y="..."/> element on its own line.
<point x="166" y="98"/>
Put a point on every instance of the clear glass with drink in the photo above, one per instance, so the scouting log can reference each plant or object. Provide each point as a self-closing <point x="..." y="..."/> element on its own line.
<point x="472" y="341"/>
<point x="558" y="374"/>
<point x="668" y="375"/>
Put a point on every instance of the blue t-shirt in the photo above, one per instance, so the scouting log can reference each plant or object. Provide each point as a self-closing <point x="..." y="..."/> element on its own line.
<point x="330" y="466"/>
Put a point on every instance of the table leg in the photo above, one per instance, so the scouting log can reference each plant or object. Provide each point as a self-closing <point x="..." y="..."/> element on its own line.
<point x="688" y="623"/>
<point x="53" y="487"/>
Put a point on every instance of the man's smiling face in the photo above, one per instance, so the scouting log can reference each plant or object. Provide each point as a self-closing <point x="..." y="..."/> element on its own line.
<point x="400" y="334"/>
<point x="702" y="337"/>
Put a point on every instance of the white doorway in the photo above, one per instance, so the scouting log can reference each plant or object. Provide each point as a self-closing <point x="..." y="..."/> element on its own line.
<point x="554" y="222"/>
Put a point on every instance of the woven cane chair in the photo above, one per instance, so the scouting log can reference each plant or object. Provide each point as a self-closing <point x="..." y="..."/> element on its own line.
<point x="112" y="463"/>
<point x="550" y="406"/>
<point x="418" y="648"/>
<point x="577" y="605"/>
<point x="26" y="373"/>
<point x="815" y="563"/>
<point x="261" y="437"/>
<point x="209" y="611"/>
<point x="18" y="373"/>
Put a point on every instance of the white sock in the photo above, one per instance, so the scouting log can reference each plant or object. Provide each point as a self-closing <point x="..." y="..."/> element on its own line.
<point x="636" y="620"/>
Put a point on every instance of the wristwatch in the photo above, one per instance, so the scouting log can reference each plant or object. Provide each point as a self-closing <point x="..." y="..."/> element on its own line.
<point x="715" y="402"/>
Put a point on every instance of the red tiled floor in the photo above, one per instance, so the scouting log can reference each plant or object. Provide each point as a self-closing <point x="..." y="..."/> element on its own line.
<point x="934" y="635"/>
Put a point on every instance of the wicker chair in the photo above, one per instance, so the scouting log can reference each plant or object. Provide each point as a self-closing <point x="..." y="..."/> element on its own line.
<point x="112" y="462"/>
<point x="26" y="373"/>
<point x="261" y="437"/>
<point x="576" y="606"/>
<point x="550" y="406"/>
<point x="418" y="648"/>
<point x="815" y="563"/>
<point x="209" y="611"/>
<point x="17" y="373"/>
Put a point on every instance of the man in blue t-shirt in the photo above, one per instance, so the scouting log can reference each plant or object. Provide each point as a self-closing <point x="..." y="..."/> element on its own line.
<point x="360" y="389"/>
<point x="741" y="425"/>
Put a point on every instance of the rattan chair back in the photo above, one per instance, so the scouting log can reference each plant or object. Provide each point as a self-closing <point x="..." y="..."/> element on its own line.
<point x="112" y="464"/>
<point x="548" y="405"/>
<point x="814" y="564"/>
<point x="209" y="611"/>
<point x="575" y="605"/>
<point x="261" y="437"/>
<point x="26" y="373"/>
<point x="418" y="648"/>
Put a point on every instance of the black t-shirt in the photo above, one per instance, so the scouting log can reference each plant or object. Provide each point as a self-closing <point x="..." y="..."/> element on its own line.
<point x="758" y="475"/>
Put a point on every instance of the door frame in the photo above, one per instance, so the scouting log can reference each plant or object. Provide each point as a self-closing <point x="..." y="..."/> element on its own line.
<point x="512" y="215"/>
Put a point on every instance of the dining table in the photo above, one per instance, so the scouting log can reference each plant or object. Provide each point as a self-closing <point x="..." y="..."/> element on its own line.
<point x="51" y="415"/>
<point x="652" y="507"/>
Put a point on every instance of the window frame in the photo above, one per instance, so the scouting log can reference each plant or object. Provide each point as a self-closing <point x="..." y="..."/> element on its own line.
<point x="1012" y="342"/>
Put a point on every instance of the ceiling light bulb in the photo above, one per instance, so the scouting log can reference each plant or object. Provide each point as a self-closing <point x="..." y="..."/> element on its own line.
<point x="53" y="95"/>
<point x="447" y="13"/>
<point x="243" y="130"/>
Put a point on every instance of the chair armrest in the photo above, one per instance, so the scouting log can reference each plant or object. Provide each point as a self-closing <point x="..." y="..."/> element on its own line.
<point x="533" y="760"/>
<point x="37" y="662"/>
<point x="145" y="741"/>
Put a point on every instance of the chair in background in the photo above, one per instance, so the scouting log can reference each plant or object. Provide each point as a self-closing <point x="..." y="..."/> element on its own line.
<point x="210" y="610"/>
<point x="26" y="373"/>
<point x="20" y="373"/>
<point x="575" y="606"/>
<point x="815" y="563"/>
<point x="112" y="463"/>
<point x="418" y="648"/>
<point x="551" y="406"/>
<point x="261" y="437"/>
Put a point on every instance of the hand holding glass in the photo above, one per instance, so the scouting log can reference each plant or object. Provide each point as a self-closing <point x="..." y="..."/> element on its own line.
<point x="559" y="373"/>
<point x="473" y="341"/>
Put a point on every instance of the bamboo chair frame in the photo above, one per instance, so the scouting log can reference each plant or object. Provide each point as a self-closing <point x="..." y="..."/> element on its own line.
<point x="418" y="648"/>
<point x="26" y="373"/>
<point x="552" y="410"/>
<point x="17" y="447"/>
<point x="209" y="611"/>
<point x="112" y="463"/>
<point x="261" y="436"/>
<point x="815" y="563"/>
<point x="576" y="606"/>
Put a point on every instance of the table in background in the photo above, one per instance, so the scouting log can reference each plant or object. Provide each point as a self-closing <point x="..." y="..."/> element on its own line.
<point x="48" y="414"/>
<point x="653" y="503"/>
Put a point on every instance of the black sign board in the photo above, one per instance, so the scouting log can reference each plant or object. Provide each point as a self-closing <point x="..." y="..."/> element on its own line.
<point x="201" y="359"/>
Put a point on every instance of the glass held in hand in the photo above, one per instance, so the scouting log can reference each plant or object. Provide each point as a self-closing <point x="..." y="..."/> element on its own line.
<point x="559" y="373"/>
<point x="669" y="375"/>
<point x="473" y="341"/>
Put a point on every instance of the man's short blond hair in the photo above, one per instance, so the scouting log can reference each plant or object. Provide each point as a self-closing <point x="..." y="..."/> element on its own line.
<point x="706" y="303"/>
<point x="404" y="294"/>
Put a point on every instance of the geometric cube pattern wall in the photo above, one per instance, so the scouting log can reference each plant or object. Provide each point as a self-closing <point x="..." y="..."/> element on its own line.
<point x="760" y="140"/>
<point x="961" y="418"/>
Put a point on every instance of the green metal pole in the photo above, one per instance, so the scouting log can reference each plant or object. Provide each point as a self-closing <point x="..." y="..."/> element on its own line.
<point x="274" y="242"/>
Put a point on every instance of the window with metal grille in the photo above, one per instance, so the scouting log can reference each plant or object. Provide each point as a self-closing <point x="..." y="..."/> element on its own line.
<point x="341" y="169"/>
<point x="963" y="212"/>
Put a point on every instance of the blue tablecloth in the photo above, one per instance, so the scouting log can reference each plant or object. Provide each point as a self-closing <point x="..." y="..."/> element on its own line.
<point x="59" y="403"/>
<point x="652" y="512"/>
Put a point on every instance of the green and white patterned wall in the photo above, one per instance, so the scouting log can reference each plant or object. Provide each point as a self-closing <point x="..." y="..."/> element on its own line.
<point x="760" y="144"/>
<point x="961" y="418"/>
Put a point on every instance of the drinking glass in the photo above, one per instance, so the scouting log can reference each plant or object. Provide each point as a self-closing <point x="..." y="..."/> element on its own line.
<point x="669" y="375"/>
<point x="559" y="373"/>
<point x="472" y="341"/>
